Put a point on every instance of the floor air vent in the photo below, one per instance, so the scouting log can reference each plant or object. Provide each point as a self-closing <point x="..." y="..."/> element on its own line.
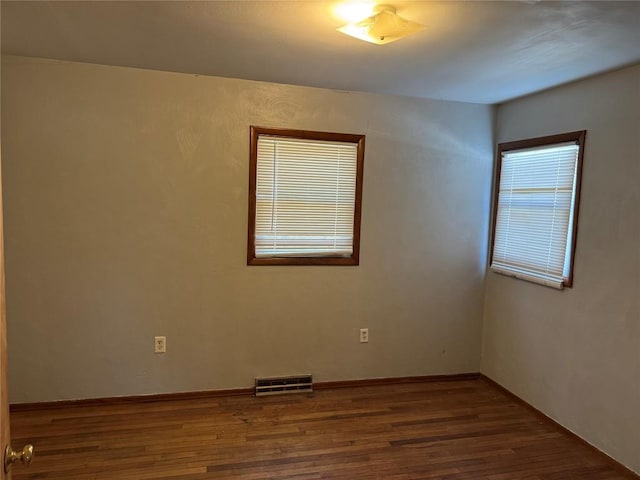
<point x="281" y="385"/>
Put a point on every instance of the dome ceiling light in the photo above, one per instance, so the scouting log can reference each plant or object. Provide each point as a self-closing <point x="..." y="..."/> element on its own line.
<point x="385" y="26"/>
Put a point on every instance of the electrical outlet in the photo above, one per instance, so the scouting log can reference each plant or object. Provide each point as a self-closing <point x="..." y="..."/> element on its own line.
<point x="364" y="335"/>
<point x="160" y="344"/>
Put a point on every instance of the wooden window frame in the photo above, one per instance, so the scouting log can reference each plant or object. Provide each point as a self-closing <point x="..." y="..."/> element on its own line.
<point x="359" y="140"/>
<point x="579" y="137"/>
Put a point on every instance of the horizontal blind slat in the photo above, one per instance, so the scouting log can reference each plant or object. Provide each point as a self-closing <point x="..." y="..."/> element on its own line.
<point x="535" y="198"/>
<point x="305" y="197"/>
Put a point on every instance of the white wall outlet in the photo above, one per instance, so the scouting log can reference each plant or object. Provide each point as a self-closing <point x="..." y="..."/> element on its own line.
<point x="160" y="344"/>
<point x="364" y="335"/>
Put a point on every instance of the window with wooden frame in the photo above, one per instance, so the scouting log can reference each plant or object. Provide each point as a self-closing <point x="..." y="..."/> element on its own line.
<point x="305" y="197"/>
<point x="537" y="195"/>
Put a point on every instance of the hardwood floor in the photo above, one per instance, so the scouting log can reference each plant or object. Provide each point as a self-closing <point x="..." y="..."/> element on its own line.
<point x="438" y="431"/>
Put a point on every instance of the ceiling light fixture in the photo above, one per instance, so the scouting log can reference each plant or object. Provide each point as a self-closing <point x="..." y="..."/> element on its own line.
<point x="385" y="26"/>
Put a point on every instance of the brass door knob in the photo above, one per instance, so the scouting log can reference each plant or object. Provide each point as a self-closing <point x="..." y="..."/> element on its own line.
<point x="10" y="457"/>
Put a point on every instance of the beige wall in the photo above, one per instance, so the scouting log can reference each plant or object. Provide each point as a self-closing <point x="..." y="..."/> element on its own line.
<point x="126" y="210"/>
<point x="125" y="201"/>
<point x="575" y="354"/>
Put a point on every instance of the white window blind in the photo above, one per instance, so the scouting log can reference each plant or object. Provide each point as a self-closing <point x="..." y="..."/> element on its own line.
<point x="305" y="197"/>
<point x="534" y="219"/>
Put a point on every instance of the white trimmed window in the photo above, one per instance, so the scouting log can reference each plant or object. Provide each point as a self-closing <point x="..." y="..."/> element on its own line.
<point x="305" y="195"/>
<point x="536" y="208"/>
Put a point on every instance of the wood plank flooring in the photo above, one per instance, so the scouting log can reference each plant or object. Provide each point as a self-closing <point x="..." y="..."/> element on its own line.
<point x="438" y="431"/>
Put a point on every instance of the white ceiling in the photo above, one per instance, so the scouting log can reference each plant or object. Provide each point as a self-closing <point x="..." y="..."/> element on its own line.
<point x="474" y="51"/>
